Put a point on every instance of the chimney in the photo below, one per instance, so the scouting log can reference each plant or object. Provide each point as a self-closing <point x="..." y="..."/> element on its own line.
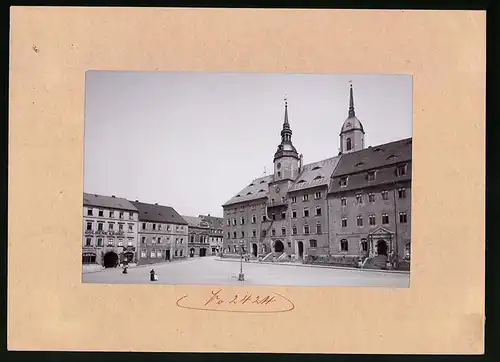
<point x="208" y="215"/>
<point x="136" y="200"/>
<point x="156" y="203"/>
<point x="112" y="195"/>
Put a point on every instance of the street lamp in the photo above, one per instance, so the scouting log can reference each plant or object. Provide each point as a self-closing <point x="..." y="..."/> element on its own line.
<point x="241" y="277"/>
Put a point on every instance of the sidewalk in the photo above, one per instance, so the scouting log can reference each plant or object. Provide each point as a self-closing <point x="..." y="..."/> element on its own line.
<point x="95" y="268"/>
<point x="315" y="266"/>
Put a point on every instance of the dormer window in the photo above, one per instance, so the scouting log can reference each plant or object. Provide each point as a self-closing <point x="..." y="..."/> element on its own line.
<point x="343" y="182"/>
<point x="251" y="184"/>
<point x="316" y="168"/>
<point x="370" y="176"/>
<point x="249" y="193"/>
<point x="238" y="195"/>
<point x="401" y="170"/>
<point x="278" y="165"/>
<point x="391" y="157"/>
<point x="378" y="149"/>
<point x="359" y="164"/>
<point x="261" y="190"/>
<point x="318" y="177"/>
<point x="262" y="182"/>
<point x="301" y="182"/>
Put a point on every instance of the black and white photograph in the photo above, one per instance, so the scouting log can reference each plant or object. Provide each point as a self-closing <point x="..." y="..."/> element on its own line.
<point x="195" y="178"/>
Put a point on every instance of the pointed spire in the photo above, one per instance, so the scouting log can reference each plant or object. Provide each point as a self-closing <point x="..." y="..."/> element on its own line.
<point x="351" y="101"/>
<point x="286" y="111"/>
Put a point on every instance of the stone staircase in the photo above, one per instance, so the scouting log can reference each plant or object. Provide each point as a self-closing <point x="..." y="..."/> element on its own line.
<point x="280" y="258"/>
<point x="377" y="262"/>
<point x="269" y="257"/>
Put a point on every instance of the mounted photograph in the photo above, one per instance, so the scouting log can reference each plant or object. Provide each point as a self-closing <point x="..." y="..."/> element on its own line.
<point x="195" y="178"/>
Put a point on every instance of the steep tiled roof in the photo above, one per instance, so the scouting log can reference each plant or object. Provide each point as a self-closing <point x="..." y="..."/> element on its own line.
<point x="215" y="222"/>
<point x="158" y="213"/>
<point x="109" y="202"/>
<point x="315" y="174"/>
<point x="382" y="158"/>
<point x="192" y="220"/>
<point x="257" y="189"/>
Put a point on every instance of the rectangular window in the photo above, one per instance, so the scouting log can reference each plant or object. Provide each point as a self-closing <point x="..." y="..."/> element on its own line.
<point x="402" y="193"/>
<point x="294" y="199"/>
<point x="317" y="195"/>
<point x="318" y="211"/>
<point x="264" y="233"/>
<point x="305" y="197"/>
<point x="371" y="219"/>
<point x="306" y="229"/>
<point x="121" y="214"/>
<point x="343" y="201"/>
<point x="159" y="240"/>
<point x="168" y="227"/>
<point x="120" y="242"/>
<point x="359" y="221"/>
<point x="403" y="218"/>
<point x="130" y="242"/>
<point x="318" y="229"/>
<point x="88" y="242"/>
<point x="254" y="219"/>
<point x="111" y="226"/>
<point x="120" y="227"/>
<point x="371" y="176"/>
<point x="130" y="216"/>
<point x="242" y="209"/>
<point x="159" y="227"/>
<point x="143" y="253"/>
<point x="254" y="233"/>
<point x="273" y="216"/>
<point x="89" y="226"/>
<point x="264" y="218"/>
<point x="242" y="234"/>
<point x="313" y="243"/>
<point x="153" y="240"/>
<point x="385" y="195"/>
<point x="228" y="222"/>
<point x="153" y="253"/>
<point x="242" y="220"/>
<point x="111" y="214"/>
<point x="289" y="244"/>
<point x="234" y="221"/>
<point x="143" y="226"/>
<point x="253" y="207"/>
<point x="273" y="232"/>
<point x="344" y="222"/>
<point x="89" y="212"/>
<point x="306" y="212"/>
<point x="101" y="212"/>
<point x="359" y="199"/>
<point x="371" y="197"/>
<point x="111" y="242"/>
<point x="401" y="170"/>
<point x="130" y="228"/>
<point x="283" y="231"/>
<point x="344" y="245"/>
<point x="234" y="234"/>
<point x="294" y="214"/>
<point x="100" y="242"/>
<point x="99" y="226"/>
<point x="283" y="215"/>
<point x="385" y="218"/>
<point x="343" y="182"/>
<point x="294" y="230"/>
<point x="154" y="226"/>
<point x="159" y="253"/>
<point x="143" y="240"/>
<point x="228" y="236"/>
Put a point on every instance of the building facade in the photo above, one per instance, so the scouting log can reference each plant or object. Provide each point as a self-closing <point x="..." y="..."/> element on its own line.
<point x="298" y="212"/>
<point x="216" y="238"/>
<point x="162" y="233"/>
<point x="109" y="230"/>
<point x="198" y="236"/>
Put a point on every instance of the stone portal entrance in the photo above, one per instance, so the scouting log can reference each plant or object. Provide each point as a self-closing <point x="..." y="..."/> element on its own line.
<point x="381" y="247"/>
<point x="110" y="260"/>
<point x="278" y="246"/>
<point x="301" y="249"/>
<point x="203" y="252"/>
<point x="254" y="250"/>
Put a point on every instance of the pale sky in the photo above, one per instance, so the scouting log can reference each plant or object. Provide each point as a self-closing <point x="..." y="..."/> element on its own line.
<point x="194" y="140"/>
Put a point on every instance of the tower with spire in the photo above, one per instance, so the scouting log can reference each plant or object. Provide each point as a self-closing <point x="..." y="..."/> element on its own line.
<point x="352" y="135"/>
<point x="286" y="158"/>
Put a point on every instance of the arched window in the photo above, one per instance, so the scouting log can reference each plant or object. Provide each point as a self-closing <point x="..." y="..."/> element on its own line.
<point x="344" y="246"/>
<point x="348" y="144"/>
<point x="364" y="245"/>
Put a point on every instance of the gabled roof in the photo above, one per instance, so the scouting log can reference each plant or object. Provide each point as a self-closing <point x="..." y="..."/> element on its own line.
<point x="315" y="174"/>
<point x="194" y="221"/>
<point x="374" y="157"/>
<point x="108" y="202"/>
<point x="158" y="213"/>
<point x="257" y="189"/>
<point x="214" y="221"/>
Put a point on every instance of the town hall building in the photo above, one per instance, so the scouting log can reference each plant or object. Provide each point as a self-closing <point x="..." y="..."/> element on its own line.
<point x="351" y="209"/>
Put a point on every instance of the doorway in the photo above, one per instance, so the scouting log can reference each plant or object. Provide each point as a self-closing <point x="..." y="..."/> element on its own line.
<point x="110" y="260"/>
<point x="381" y="247"/>
<point x="129" y="257"/>
<point x="301" y="249"/>
<point x="191" y="252"/>
<point x="203" y="252"/>
<point x="254" y="249"/>
<point x="278" y="246"/>
<point x="167" y="254"/>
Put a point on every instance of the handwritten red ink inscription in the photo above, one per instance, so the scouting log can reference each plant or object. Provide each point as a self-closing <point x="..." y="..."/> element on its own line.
<point x="220" y="301"/>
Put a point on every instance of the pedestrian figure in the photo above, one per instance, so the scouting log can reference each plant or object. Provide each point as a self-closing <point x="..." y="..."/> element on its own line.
<point x="125" y="270"/>
<point x="152" y="275"/>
